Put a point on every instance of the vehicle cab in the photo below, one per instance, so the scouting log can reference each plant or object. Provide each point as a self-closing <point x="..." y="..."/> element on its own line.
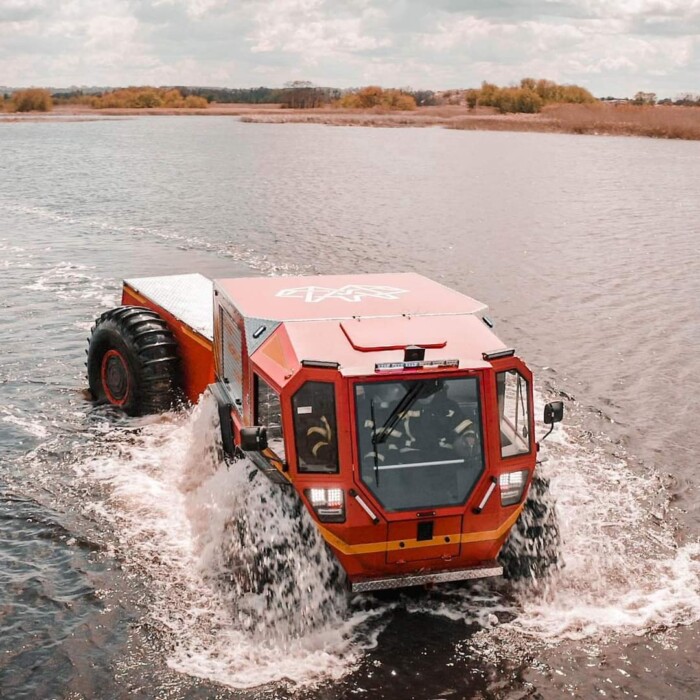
<point x="390" y="406"/>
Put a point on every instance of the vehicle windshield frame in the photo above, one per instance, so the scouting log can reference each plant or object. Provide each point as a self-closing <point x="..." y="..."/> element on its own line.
<point x="437" y="475"/>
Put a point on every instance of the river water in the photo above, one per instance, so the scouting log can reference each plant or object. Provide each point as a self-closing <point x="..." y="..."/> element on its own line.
<point x="114" y="531"/>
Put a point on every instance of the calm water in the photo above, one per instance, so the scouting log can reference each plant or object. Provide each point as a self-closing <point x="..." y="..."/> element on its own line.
<point x="113" y="531"/>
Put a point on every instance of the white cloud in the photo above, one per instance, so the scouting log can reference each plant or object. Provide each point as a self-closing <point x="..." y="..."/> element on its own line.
<point x="307" y="28"/>
<point x="611" y="46"/>
<point x="197" y="8"/>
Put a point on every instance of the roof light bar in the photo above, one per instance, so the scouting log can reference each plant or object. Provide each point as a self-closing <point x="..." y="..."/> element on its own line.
<point x="320" y="364"/>
<point x="498" y="354"/>
<point x="415" y="364"/>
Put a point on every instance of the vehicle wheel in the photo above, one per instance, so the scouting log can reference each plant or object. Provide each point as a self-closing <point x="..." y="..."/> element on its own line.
<point x="273" y="562"/>
<point x="132" y="361"/>
<point x="533" y="548"/>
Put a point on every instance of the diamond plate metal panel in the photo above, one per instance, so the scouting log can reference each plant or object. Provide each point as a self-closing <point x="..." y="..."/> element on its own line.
<point x="422" y="579"/>
<point x="187" y="297"/>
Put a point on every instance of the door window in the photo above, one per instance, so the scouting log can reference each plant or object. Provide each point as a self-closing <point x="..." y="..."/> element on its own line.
<point x="514" y="413"/>
<point x="315" y="428"/>
<point x="268" y="412"/>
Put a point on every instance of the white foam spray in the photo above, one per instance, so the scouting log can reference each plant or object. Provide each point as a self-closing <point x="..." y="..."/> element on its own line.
<point x="622" y="573"/>
<point x="243" y="586"/>
<point x="243" y="604"/>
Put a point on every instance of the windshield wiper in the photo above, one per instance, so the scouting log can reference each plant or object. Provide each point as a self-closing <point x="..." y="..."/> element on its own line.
<point x="374" y="443"/>
<point x="402" y="407"/>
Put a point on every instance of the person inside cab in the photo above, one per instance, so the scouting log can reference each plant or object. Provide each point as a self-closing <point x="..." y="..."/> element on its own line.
<point x="434" y="424"/>
<point x="467" y="446"/>
<point x="409" y="421"/>
<point x="378" y="410"/>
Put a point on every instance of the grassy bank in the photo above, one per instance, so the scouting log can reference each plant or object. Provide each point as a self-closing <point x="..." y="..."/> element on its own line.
<point x="619" y="120"/>
<point x="663" y="122"/>
<point x="668" y="122"/>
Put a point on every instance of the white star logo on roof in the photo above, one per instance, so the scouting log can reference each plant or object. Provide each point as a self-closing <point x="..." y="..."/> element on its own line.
<point x="350" y="292"/>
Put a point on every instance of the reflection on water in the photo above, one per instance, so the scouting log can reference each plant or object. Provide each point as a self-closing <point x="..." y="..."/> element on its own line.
<point x="115" y="534"/>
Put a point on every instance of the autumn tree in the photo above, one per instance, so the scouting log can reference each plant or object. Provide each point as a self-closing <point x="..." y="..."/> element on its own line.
<point x="471" y="97"/>
<point x="147" y="98"/>
<point x="529" y="97"/>
<point x="32" y="100"/>
<point x="375" y="97"/>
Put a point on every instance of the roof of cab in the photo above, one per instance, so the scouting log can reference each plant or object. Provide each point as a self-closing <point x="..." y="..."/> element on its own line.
<point x="463" y="339"/>
<point x="357" y="321"/>
<point x="344" y="297"/>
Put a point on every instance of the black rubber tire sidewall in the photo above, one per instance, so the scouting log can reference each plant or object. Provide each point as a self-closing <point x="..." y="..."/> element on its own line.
<point x="148" y="349"/>
<point x="108" y="336"/>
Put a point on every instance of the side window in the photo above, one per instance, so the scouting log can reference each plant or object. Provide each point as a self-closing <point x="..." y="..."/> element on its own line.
<point x="315" y="427"/>
<point x="514" y="413"/>
<point x="231" y="354"/>
<point x="268" y="412"/>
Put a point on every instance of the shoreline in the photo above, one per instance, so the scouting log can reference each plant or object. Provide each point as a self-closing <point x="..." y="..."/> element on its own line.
<point x="601" y="119"/>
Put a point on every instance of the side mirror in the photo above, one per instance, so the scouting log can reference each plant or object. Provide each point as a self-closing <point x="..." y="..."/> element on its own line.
<point x="253" y="439"/>
<point x="554" y="412"/>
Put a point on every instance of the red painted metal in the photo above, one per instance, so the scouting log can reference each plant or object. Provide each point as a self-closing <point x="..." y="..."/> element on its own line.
<point x="357" y="322"/>
<point x="344" y="296"/>
<point x="112" y="362"/>
<point x="195" y="350"/>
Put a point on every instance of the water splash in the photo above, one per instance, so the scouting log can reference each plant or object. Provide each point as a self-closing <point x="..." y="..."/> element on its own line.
<point x="242" y="604"/>
<point x="532" y="554"/>
<point x="622" y="573"/>
<point x="243" y="589"/>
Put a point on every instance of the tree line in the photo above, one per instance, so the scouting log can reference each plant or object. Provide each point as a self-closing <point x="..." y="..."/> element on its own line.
<point x="529" y="96"/>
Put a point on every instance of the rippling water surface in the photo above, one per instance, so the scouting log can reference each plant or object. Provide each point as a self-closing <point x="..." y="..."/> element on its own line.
<point x="115" y="533"/>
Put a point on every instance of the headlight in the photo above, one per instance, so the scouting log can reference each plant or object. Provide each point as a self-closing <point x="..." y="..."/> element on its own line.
<point x="512" y="485"/>
<point x="328" y="504"/>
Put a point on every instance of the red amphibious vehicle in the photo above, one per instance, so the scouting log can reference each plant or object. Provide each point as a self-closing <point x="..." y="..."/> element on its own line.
<point x="386" y="401"/>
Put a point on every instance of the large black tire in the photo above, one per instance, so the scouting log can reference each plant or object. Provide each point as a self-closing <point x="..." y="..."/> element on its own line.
<point x="532" y="551"/>
<point x="132" y="361"/>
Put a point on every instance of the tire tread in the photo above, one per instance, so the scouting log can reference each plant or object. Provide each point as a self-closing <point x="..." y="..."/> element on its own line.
<point x="151" y="348"/>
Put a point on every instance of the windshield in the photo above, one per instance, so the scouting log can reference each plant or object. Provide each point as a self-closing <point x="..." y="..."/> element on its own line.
<point x="419" y="440"/>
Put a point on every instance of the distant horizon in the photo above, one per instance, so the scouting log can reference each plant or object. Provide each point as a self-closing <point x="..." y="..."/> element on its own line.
<point x="101" y="88"/>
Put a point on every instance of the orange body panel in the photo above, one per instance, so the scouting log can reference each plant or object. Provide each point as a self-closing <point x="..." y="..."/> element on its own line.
<point x="289" y="334"/>
<point x="196" y="354"/>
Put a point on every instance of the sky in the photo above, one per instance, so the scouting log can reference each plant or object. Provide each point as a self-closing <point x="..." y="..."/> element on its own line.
<point x="612" y="47"/>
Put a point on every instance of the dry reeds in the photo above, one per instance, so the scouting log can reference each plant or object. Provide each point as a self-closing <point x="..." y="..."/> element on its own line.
<point x="671" y="122"/>
<point x="664" y="122"/>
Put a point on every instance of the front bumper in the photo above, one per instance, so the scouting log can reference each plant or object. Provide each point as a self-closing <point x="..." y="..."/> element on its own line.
<point x="426" y="577"/>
